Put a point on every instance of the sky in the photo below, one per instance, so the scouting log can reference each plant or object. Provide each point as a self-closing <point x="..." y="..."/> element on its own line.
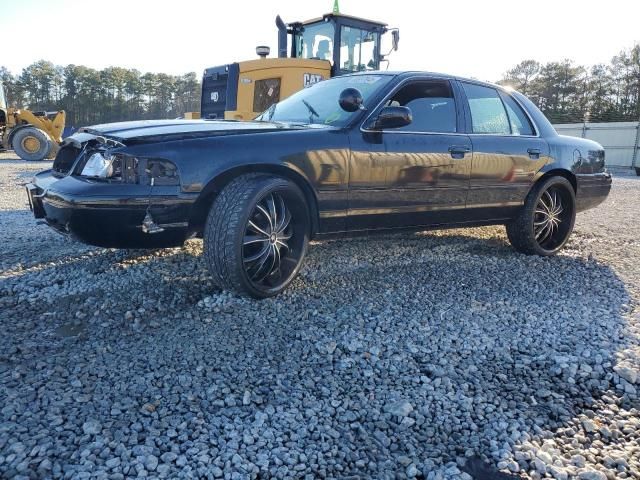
<point x="472" y="38"/>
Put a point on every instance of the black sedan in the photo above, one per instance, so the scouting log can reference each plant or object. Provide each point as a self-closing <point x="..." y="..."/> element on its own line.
<point x="359" y="153"/>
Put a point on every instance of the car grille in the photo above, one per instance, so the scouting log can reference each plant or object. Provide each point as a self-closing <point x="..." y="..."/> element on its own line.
<point x="65" y="159"/>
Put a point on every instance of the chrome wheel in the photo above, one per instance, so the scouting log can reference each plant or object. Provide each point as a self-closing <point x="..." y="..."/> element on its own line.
<point x="266" y="250"/>
<point x="552" y="218"/>
<point x="256" y="234"/>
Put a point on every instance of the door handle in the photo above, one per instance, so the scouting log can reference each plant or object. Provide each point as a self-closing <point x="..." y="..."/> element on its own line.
<point x="534" y="153"/>
<point x="458" y="151"/>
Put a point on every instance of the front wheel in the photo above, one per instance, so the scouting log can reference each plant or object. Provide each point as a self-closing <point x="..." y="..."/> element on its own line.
<point x="546" y="221"/>
<point x="256" y="234"/>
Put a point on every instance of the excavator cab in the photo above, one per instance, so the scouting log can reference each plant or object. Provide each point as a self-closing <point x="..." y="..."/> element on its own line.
<point x="308" y="52"/>
<point x="351" y="44"/>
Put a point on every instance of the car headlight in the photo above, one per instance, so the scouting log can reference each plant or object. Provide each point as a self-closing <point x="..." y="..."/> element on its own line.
<point x="114" y="167"/>
<point x="98" y="165"/>
<point x="119" y="167"/>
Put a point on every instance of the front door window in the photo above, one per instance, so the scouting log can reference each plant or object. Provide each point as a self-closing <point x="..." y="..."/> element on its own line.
<point x="432" y="106"/>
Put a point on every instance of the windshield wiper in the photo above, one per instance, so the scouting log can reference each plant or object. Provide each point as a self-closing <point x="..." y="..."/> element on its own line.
<point x="312" y="111"/>
<point x="272" y="111"/>
<point x="269" y="112"/>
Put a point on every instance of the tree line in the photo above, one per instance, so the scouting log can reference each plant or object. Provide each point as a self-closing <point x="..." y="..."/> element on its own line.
<point x="564" y="91"/>
<point x="567" y="92"/>
<point x="91" y="96"/>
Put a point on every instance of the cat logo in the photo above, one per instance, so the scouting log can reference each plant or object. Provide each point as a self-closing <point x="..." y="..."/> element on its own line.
<point x="309" y="79"/>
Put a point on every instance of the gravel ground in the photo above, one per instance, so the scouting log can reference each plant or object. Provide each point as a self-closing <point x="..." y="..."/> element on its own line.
<point x="433" y="355"/>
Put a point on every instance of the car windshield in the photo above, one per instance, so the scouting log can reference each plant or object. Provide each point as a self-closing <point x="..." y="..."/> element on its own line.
<point x="319" y="103"/>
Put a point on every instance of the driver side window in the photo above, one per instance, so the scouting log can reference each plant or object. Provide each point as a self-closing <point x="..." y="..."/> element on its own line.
<point x="432" y="106"/>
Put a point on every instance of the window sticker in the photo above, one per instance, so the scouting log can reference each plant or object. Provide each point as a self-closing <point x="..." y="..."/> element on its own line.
<point x="364" y="79"/>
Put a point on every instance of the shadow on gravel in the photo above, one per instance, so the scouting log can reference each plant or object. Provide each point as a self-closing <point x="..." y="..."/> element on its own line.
<point x="487" y="347"/>
<point x="26" y="244"/>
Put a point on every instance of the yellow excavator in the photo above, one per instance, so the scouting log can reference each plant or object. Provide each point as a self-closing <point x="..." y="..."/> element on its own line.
<point x="324" y="47"/>
<point x="32" y="135"/>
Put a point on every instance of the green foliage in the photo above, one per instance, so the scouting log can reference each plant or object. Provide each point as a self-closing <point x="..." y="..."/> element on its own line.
<point x="92" y="96"/>
<point x="564" y="91"/>
<point x="571" y="93"/>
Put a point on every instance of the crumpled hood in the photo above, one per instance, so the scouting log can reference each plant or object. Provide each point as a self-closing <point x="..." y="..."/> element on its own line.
<point x="165" y="130"/>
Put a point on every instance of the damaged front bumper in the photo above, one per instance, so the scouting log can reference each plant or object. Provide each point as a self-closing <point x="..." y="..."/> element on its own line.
<point x="112" y="216"/>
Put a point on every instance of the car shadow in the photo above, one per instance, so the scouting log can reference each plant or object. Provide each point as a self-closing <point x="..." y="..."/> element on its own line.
<point x="357" y="333"/>
<point x="37" y="241"/>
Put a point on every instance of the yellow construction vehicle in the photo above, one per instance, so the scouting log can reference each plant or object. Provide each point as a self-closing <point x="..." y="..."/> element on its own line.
<point x="334" y="44"/>
<point x="32" y="135"/>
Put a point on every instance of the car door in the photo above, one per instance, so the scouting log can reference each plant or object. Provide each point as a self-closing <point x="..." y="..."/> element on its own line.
<point x="507" y="151"/>
<point x="417" y="174"/>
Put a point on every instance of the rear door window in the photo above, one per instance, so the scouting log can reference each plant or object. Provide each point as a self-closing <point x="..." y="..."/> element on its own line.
<point x="488" y="114"/>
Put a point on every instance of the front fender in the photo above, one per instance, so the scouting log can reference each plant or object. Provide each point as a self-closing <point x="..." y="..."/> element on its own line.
<point x="217" y="183"/>
<point x="317" y="159"/>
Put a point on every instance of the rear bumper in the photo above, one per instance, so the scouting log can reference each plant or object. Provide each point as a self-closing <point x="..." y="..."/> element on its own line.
<point x="112" y="221"/>
<point x="592" y="190"/>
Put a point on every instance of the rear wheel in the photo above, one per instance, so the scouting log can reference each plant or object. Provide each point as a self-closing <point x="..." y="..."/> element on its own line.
<point x="31" y="144"/>
<point x="546" y="220"/>
<point x="256" y="234"/>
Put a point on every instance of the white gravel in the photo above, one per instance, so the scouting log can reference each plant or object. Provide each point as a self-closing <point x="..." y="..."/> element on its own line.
<point x="435" y="355"/>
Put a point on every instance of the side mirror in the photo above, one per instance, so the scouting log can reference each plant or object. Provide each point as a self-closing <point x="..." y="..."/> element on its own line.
<point x="392" y="117"/>
<point x="395" y="38"/>
<point x="351" y="100"/>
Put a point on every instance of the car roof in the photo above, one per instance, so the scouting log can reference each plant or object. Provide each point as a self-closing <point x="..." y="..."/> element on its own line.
<point x="412" y="73"/>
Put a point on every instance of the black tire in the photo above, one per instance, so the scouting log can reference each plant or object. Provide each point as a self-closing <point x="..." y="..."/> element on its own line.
<point x="239" y="234"/>
<point x="638" y="171"/>
<point x="31" y="144"/>
<point x="546" y="221"/>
